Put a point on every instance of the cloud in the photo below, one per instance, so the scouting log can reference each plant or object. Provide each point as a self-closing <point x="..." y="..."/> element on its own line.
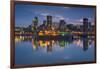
<point x="49" y="12"/>
<point x="59" y="17"/>
<point x="78" y="21"/>
<point x="66" y="7"/>
<point x="45" y="14"/>
<point x="54" y="16"/>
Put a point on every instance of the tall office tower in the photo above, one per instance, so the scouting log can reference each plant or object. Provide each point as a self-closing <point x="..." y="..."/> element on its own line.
<point x="35" y="23"/>
<point x="85" y="25"/>
<point x="62" y="25"/>
<point x="49" y="21"/>
<point x="35" y="27"/>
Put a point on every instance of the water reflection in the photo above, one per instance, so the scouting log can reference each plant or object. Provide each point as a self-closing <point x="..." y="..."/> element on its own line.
<point x="82" y="43"/>
<point x="85" y="44"/>
<point x="53" y="50"/>
<point x="35" y="44"/>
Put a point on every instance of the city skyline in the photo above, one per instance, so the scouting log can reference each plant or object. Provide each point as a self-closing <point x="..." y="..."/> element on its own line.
<point x="24" y="14"/>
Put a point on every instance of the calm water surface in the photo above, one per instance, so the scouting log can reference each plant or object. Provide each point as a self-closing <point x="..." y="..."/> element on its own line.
<point x="53" y="51"/>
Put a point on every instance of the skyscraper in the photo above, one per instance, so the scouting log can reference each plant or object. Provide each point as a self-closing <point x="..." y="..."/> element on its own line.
<point x="35" y="23"/>
<point x="85" y="25"/>
<point x="62" y="25"/>
<point x="35" y="27"/>
<point x="49" y="21"/>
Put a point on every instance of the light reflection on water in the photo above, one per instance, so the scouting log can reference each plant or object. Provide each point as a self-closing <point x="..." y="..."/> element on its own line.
<point x="30" y="51"/>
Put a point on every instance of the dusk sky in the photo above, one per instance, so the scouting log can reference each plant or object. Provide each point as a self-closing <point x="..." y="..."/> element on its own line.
<point x="24" y="14"/>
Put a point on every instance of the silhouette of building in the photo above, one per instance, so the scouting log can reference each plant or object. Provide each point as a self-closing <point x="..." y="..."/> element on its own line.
<point x="86" y="29"/>
<point x="70" y="27"/>
<point x="85" y="25"/>
<point x="49" y="21"/>
<point x="62" y="25"/>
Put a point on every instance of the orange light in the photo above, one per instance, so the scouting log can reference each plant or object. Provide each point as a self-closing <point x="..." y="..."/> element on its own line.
<point x="54" y="33"/>
<point x="40" y="33"/>
<point x="41" y="43"/>
<point x="47" y="32"/>
<point x="48" y="43"/>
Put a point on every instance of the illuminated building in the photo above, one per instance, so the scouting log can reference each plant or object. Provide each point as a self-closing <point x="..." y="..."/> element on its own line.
<point x="35" y="23"/>
<point x="55" y="25"/>
<point x="35" y="27"/>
